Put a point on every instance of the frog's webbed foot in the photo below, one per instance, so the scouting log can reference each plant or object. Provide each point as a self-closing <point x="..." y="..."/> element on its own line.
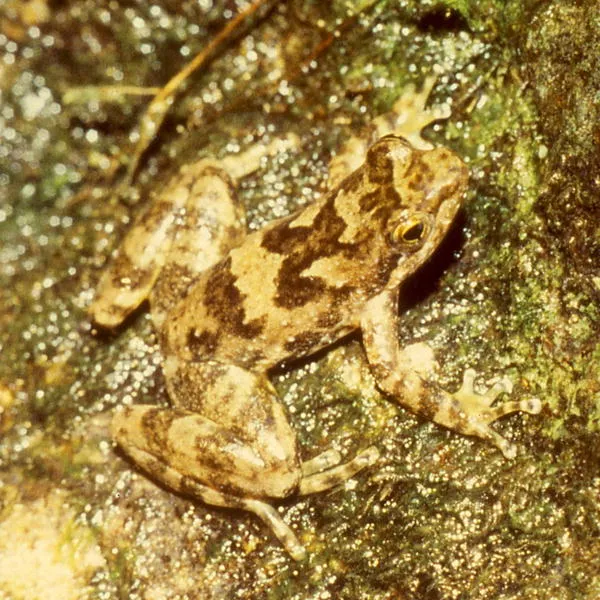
<point x="475" y="412"/>
<point x="246" y="162"/>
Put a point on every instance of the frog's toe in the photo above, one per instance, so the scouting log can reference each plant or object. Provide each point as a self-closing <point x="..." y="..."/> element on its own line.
<point x="467" y="392"/>
<point x="321" y="462"/>
<point x="508" y="450"/>
<point x="504" y="386"/>
<point x="479" y="426"/>
<point x="369" y="456"/>
<point x="478" y="413"/>
<point x="317" y="482"/>
<point x="532" y="406"/>
<point x="468" y="381"/>
<point x="479" y="405"/>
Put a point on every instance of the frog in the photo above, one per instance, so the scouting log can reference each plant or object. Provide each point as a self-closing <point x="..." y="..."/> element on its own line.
<point x="229" y="307"/>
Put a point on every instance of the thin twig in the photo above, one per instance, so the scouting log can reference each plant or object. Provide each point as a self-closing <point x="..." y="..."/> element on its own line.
<point x="157" y="110"/>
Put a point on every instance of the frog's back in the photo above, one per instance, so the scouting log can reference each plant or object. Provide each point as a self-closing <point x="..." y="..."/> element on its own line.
<point x="302" y="282"/>
<point x="290" y="289"/>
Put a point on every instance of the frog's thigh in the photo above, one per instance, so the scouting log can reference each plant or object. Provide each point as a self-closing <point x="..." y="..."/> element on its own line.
<point x="211" y="224"/>
<point x="192" y="223"/>
<point x="226" y="429"/>
<point x="216" y="463"/>
<point x="227" y="441"/>
<point x="164" y="464"/>
<point x="246" y="402"/>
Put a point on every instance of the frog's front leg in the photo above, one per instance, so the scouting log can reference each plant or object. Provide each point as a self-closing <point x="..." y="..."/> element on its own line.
<point x="408" y="117"/>
<point x="405" y="377"/>
<point x="228" y="442"/>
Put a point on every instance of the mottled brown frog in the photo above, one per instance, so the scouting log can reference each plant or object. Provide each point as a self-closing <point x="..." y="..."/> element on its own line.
<point x="229" y="306"/>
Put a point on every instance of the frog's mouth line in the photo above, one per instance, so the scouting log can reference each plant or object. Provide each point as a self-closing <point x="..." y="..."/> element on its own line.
<point x="446" y="214"/>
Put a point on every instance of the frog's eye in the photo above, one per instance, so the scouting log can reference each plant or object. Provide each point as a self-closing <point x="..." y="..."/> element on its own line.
<point x="411" y="232"/>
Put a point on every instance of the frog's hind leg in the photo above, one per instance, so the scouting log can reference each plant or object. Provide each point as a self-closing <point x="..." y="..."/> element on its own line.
<point x="211" y="224"/>
<point x="227" y="441"/>
<point x="192" y="487"/>
<point x="264" y="511"/>
<point x="169" y="444"/>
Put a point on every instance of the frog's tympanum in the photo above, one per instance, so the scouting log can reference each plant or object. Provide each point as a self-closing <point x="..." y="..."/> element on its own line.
<point x="229" y="306"/>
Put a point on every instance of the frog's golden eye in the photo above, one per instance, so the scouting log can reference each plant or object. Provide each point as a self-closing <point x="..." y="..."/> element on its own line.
<point x="412" y="231"/>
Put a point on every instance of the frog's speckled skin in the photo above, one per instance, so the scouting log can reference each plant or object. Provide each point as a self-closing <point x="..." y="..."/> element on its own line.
<point x="229" y="306"/>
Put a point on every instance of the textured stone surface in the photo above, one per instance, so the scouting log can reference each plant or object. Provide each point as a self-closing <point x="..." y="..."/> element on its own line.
<point x="514" y="292"/>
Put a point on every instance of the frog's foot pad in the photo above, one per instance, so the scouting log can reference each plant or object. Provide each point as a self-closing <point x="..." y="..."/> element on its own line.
<point x="323" y="480"/>
<point x="479" y="413"/>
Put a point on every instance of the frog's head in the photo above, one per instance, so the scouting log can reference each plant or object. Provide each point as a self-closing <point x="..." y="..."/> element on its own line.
<point x="423" y="191"/>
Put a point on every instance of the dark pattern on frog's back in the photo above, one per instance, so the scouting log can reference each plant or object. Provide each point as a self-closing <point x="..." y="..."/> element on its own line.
<point x="225" y="303"/>
<point x="420" y="177"/>
<point x="380" y="165"/>
<point x="302" y="245"/>
<point x="202" y="343"/>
